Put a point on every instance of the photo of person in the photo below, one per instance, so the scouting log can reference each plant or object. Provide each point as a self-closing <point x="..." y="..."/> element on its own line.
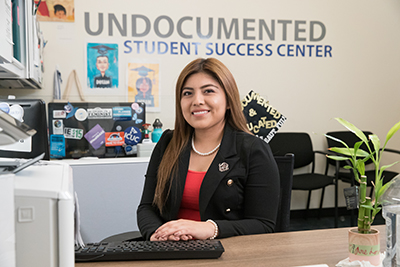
<point x="102" y="65"/>
<point x="143" y="84"/>
<point x="55" y="10"/>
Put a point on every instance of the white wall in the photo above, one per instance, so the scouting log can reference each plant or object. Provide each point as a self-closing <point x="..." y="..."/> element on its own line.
<point x="360" y="82"/>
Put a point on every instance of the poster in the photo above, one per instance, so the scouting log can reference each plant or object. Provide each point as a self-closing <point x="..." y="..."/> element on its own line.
<point x="144" y="84"/>
<point x="102" y="65"/>
<point x="55" y="10"/>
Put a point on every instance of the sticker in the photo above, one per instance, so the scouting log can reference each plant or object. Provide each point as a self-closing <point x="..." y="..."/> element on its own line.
<point x="58" y="127"/>
<point x="73" y="133"/>
<point x="99" y="113"/>
<point x="96" y="136"/>
<point x="17" y="112"/>
<point x="132" y="136"/>
<point x="135" y="106"/>
<point x="135" y="118"/>
<point x="57" y="146"/>
<point x="139" y="110"/>
<point x="81" y="114"/>
<point x="130" y="150"/>
<point x="4" y="106"/>
<point x="114" y="138"/>
<point x="59" y="114"/>
<point x="118" y="128"/>
<point x="122" y="113"/>
<point x="69" y="108"/>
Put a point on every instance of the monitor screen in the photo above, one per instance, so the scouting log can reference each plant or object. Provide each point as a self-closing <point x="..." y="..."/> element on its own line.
<point x="31" y="112"/>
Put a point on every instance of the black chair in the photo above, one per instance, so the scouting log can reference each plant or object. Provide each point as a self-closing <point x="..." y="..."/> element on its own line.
<point x="300" y="144"/>
<point x="285" y="166"/>
<point x="347" y="176"/>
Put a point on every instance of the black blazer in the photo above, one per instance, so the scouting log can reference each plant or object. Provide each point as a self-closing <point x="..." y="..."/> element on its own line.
<point x="240" y="190"/>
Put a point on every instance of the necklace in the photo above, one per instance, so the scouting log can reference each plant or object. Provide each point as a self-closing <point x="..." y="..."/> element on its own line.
<point x="204" y="154"/>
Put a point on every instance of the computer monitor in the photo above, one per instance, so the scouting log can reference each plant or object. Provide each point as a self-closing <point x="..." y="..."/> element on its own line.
<point x="33" y="113"/>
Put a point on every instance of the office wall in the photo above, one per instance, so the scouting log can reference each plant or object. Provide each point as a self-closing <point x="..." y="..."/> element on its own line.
<point x="319" y="59"/>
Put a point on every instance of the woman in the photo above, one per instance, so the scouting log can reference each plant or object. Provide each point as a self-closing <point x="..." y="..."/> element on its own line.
<point x="209" y="177"/>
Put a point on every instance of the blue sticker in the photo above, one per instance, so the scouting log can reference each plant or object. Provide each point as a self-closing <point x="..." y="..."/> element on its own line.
<point x="5" y="107"/>
<point x="70" y="110"/>
<point x="57" y="146"/>
<point x="133" y="135"/>
<point x="122" y="113"/>
<point x="135" y="118"/>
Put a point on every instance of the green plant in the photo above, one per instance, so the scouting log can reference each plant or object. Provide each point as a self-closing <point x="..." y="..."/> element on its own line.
<point x="357" y="157"/>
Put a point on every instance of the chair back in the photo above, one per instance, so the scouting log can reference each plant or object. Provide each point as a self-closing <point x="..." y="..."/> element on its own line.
<point x="297" y="143"/>
<point x="285" y="166"/>
<point x="350" y="139"/>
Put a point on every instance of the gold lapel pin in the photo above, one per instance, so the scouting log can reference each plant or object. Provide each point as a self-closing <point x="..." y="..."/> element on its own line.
<point x="223" y="167"/>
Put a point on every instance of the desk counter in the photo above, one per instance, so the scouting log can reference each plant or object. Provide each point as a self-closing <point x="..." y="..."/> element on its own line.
<point x="328" y="246"/>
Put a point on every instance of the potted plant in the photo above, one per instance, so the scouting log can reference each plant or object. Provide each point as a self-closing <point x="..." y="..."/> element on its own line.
<point x="360" y="245"/>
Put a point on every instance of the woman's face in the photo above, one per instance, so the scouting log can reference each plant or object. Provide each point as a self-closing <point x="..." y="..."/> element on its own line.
<point x="144" y="86"/>
<point x="203" y="102"/>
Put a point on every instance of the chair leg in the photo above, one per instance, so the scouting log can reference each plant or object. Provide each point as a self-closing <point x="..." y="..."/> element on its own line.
<point x="321" y="202"/>
<point x="308" y="203"/>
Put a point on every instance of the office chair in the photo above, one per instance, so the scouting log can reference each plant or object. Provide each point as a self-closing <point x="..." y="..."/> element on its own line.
<point x="347" y="175"/>
<point x="299" y="144"/>
<point x="285" y="166"/>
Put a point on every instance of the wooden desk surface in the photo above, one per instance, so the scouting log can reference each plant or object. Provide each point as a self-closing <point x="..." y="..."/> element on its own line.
<point x="328" y="246"/>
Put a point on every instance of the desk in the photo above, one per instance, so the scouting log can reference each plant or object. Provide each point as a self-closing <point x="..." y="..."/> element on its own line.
<point x="327" y="246"/>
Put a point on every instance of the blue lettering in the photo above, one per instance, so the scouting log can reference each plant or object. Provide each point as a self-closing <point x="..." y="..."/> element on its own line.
<point x="279" y="50"/>
<point x="250" y="49"/>
<point x="209" y="48"/>
<point x="174" y="46"/>
<point x="319" y="50"/>
<point x="138" y="46"/>
<point x="238" y="49"/>
<point x="147" y="49"/>
<point x="196" y="45"/>
<point x="298" y="50"/>
<point x="126" y="44"/>
<point x="187" y="49"/>
<point x="223" y="49"/>
<point x="310" y="49"/>
<point x="267" y="47"/>
<point x="328" y="50"/>
<point x="258" y="47"/>
<point x="159" y="48"/>
<point x="228" y="49"/>
<point x="290" y="50"/>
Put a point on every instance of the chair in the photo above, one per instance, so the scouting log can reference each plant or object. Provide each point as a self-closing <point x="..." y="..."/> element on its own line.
<point x="285" y="166"/>
<point x="299" y="144"/>
<point x="347" y="175"/>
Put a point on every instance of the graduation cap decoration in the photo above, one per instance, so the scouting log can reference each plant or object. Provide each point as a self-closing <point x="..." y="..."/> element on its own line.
<point x="262" y="119"/>
<point x="102" y="49"/>
<point x="144" y="71"/>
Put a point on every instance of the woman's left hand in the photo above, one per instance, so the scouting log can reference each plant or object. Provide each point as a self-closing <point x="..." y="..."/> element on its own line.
<point x="184" y="230"/>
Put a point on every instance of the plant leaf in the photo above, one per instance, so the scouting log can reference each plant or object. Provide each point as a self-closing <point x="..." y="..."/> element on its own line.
<point x="376" y="142"/>
<point x="350" y="151"/>
<point x="337" y="157"/>
<point x="391" y="132"/>
<point x="337" y="140"/>
<point x="367" y="207"/>
<point x="353" y="129"/>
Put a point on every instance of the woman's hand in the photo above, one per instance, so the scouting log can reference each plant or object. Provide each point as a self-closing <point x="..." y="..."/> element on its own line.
<point x="183" y="230"/>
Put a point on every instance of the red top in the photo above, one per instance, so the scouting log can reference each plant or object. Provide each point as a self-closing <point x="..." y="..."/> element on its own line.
<point x="190" y="200"/>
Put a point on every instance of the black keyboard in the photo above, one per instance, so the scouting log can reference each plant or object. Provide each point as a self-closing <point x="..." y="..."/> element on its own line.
<point x="149" y="250"/>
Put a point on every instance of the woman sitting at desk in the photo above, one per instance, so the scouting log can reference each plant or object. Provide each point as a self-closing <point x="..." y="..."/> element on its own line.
<point x="209" y="177"/>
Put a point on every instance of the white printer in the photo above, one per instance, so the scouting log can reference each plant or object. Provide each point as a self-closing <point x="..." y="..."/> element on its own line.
<point x="44" y="215"/>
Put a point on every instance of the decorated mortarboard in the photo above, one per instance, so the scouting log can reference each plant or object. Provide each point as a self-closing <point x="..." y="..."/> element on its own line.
<point x="102" y="49"/>
<point x="143" y="71"/>
<point x="263" y="120"/>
